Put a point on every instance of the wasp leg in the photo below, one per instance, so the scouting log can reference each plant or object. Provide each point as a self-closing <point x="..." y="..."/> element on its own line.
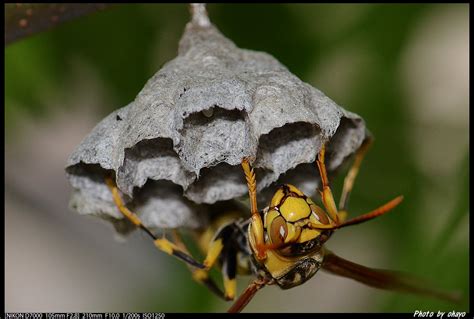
<point x="247" y="295"/>
<point x="161" y="243"/>
<point x="200" y="275"/>
<point x="214" y="251"/>
<point x="257" y="224"/>
<point x="351" y="176"/>
<point x="326" y="193"/>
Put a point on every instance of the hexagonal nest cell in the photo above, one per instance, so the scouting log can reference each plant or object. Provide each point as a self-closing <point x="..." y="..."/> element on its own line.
<point x="176" y="150"/>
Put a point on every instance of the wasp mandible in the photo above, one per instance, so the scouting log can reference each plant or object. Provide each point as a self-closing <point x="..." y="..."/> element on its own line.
<point x="283" y="243"/>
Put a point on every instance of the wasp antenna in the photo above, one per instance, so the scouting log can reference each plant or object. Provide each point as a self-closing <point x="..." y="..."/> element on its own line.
<point x="375" y="213"/>
<point x="363" y="218"/>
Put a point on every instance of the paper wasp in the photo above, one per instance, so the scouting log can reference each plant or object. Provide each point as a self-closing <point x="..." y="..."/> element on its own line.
<point x="282" y="244"/>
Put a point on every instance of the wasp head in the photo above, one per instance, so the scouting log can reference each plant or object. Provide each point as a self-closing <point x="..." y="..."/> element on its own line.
<point x="291" y="222"/>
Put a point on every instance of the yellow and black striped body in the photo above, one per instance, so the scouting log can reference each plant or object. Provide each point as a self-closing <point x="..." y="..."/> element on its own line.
<point x="228" y="227"/>
<point x="224" y="243"/>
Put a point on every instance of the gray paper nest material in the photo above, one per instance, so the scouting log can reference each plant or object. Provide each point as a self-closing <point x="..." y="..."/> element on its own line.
<point x="193" y="122"/>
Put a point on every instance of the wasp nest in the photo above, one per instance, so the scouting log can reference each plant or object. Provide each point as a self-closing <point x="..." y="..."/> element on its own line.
<point x="178" y="146"/>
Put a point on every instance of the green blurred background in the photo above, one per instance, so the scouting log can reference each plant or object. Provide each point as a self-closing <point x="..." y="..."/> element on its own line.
<point x="403" y="68"/>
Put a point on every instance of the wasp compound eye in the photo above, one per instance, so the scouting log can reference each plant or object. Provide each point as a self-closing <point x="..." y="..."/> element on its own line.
<point x="319" y="215"/>
<point x="278" y="231"/>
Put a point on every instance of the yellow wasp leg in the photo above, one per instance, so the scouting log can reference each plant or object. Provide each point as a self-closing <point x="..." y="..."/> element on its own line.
<point x="257" y="224"/>
<point x="215" y="249"/>
<point x="326" y="193"/>
<point x="118" y="201"/>
<point x="199" y="275"/>
<point x="161" y="243"/>
<point x="351" y="176"/>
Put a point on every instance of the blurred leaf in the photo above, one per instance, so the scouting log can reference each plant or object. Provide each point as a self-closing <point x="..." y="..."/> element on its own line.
<point x="30" y="73"/>
<point x="117" y="43"/>
<point x="461" y="208"/>
<point x="279" y="32"/>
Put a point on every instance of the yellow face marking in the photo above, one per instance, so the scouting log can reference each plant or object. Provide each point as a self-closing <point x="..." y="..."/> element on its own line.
<point x="257" y="231"/>
<point x="230" y="286"/>
<point x="308" y="234"/>
<point x="295" y="208"/>
<point x="293" y="232"/>
<point x="295" y="190"/>
<point x="277" y="198"/>
<point x="314" y="218"/>
<point x="214" y="251"/>
<point x="276" y="265"/>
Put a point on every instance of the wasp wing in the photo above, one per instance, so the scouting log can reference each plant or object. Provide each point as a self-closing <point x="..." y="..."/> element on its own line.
<point x="384" y="279"/>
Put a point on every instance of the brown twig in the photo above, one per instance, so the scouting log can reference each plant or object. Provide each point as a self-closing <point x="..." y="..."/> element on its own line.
<point x="25" y="19"/>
